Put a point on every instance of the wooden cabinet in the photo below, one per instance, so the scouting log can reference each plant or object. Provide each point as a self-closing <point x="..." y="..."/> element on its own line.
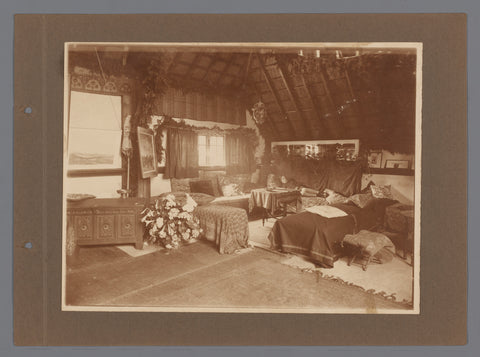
<point x="105" y="221"/>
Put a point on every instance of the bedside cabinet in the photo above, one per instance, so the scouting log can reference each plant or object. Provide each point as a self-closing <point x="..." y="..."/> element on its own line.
<point x="105" y="221"/>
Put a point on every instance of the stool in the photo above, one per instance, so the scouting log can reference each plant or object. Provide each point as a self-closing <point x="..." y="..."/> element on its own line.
<point x="367" y="245"/>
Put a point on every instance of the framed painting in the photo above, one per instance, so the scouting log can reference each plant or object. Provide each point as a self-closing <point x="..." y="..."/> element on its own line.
<point x="375" y="159"/>
<point x="146" y="148"/>
<point x="397" y="164"/>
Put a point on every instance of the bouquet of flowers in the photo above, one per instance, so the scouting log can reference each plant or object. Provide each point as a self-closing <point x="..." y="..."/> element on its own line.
<point x="169" y="221"/>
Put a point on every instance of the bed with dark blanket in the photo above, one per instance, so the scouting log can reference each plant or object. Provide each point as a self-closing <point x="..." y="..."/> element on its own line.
<point x="319" y="238"/>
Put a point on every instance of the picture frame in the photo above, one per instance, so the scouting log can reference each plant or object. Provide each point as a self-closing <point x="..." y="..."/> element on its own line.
<point x="147" y="152"/>
<point x="375" y="159"/>
<point x="397" y="164"/>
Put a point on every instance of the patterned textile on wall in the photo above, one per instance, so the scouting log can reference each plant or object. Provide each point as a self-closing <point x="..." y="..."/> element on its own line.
<point x="224" y="225"/>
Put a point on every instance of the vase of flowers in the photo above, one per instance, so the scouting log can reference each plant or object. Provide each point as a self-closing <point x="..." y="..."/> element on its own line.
<point x="170" y="221"/>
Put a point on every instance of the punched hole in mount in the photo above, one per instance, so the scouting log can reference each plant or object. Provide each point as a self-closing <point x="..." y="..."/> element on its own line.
<point x="28" y="245"/>
<point x="28" y="110"/>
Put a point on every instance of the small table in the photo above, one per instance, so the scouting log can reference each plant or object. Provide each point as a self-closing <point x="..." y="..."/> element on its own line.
<point x="273" y="202"/>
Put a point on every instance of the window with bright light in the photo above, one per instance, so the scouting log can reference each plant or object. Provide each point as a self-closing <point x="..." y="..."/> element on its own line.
<point x="211" y="150"/>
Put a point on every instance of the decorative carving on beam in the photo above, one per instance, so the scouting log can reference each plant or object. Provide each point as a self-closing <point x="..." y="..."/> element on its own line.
<point x="306" y="124"/>
<point x="269" y="121"/>
<point x="275" y="95"/>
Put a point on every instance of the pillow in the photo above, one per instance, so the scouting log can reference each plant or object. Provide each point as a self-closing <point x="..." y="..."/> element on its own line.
<point x="202" y="186"/>
<point x="334" y="197"/>
<point x="180" y="197"/>
<point x="231" y="190"/>
<point x="367" y="188"/>
<point x="240" y="180"/>
<point x="249" y="186"/>
<point x="361" y="199"/>
<point x="201" y="198"/>
<point x="273" y="181"/>
<point x="379" y="191"/>
<point x="180" y="185"/>
<point x="308" y="192"/>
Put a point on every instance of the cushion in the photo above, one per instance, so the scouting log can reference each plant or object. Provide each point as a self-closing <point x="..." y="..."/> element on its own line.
<point x="180" y="197"/>
<point x="334" y="197"/>
<point x="379" y="191"/>
<point x="231" y="189"/>
<point x="202" y="186"/>
<point x="273" y="181"/>
<point x="308" y="192"/>
<point x="367" y="188"/>
<point x="361" y="199"/>
<point x="249" y="186"/>
<point x="240" y="180"/>
<point x="180" y="185"/>
<point x="201" y="198"/>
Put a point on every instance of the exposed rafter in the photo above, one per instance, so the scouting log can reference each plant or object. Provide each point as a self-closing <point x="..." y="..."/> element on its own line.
<point x="227" y="65"/>
<point x="312" y="102"/>
<point x="210" y="66"/>
<point x="306" y="124"/>
<point x="191" y="67"/>
<point x="268" y="80"/>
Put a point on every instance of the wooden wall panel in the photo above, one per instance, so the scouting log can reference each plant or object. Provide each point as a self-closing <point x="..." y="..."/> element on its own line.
<point x="201" y="107"/>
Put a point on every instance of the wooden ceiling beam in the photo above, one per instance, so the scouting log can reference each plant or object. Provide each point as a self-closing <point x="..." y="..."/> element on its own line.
<point x="306" y="124"/>
<point x="334" y="128"/>
<point x="227" y="65"/>
<point x="268" y="80"/>
<point x="210" y="66"/>
<point x="247" y="69"/>
<point x="312" y="102"/>
<point x="192" y="66"/>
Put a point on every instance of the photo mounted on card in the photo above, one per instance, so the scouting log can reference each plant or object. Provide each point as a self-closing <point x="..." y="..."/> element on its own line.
<point x="236" y="177"/>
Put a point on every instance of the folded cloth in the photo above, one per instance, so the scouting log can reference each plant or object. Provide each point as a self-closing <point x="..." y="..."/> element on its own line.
<point x="308" y="192"/>
<point x="371" y="243"/>
<point x="327" y="211"/>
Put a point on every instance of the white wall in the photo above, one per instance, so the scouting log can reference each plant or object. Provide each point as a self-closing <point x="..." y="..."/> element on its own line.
<point x="99" y="186"/>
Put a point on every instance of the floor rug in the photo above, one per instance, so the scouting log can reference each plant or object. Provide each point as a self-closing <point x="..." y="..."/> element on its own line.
<point x="392" y="280"/>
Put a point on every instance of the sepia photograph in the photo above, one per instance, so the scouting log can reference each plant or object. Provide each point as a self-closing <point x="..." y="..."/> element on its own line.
<point x="242" y="177"/>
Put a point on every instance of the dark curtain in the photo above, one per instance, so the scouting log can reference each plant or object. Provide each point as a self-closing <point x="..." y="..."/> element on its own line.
<point x="181" y="160"/>
<point x="239" y="155"/>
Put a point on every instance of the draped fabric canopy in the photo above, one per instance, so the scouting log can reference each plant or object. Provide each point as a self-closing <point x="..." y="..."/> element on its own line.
<point x="239" y="155"/>
<point x="181" y="159"/>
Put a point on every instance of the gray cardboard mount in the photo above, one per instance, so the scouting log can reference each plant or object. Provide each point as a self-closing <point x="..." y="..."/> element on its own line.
<point x="38" y="150"/>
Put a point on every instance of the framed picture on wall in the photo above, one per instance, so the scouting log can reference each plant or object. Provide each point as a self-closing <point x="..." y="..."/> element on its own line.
<point x="146" y="148"/>
<point x="397" y="164"/>
<point x="375" y="159"/>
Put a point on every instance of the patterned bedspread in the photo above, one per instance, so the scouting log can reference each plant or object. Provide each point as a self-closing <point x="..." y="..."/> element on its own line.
<point x="224" y="225"/>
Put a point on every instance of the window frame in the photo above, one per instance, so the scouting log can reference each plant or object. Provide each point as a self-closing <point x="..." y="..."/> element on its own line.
<point x="84" y="172"/>
<point x="208" y="167"/>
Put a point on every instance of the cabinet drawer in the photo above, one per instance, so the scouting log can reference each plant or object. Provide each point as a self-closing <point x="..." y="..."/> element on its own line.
<point x="126" y="226"/>
<point x="83" y="226"/>
<point x="105" y="227"/>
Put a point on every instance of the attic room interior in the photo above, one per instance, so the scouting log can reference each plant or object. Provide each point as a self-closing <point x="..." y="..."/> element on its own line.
<point x="241" y="177"/>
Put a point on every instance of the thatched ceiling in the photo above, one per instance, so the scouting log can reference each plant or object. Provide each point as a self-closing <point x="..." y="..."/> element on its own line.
<point x="361" y="93"/>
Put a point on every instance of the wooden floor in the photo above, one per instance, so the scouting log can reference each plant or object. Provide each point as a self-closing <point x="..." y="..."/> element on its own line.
<point x="197" y="276"/>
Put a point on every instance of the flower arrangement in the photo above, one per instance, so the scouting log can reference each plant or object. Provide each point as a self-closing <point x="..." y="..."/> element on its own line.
<point x="169" y="221"/>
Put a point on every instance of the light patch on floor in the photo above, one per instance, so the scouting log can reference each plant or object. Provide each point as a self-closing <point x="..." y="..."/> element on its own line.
<point x="134" y="252"/>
